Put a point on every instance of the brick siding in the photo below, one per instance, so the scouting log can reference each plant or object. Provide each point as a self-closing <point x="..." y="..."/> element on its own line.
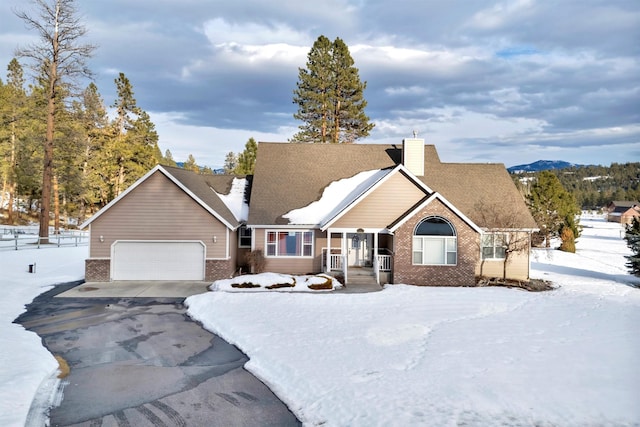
<point x="218" y="269"/>
<point x="97" y="270"/>
<point x="462" y="274"/>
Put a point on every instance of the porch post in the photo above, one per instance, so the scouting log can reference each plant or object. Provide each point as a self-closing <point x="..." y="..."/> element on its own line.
<point x="343" y="251"/>
<point x="375" y="245"/>
<point x="327" y="261"/>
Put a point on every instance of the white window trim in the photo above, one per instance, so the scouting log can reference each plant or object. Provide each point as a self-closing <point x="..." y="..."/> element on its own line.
<point x="266" y="244"/>
<point x="445" y="240"/>
<point x="493" y="240"/>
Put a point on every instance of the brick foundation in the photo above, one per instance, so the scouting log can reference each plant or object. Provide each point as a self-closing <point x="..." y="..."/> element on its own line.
<point x="218" y="269"/>
<point x="462" y="274"/>
<point x="97" y="270"/>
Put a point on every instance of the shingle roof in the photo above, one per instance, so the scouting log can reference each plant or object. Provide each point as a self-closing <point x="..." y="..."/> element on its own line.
<point x="471" y="186"/>
<point x="201" y="186"/>
<point x="291" y="176"/>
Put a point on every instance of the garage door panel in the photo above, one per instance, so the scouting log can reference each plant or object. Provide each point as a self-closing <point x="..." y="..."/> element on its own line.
<point x="158" y="261"/>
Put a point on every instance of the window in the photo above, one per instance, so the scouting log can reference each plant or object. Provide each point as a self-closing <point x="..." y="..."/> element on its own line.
<point x="290" y="243"/>
<point x="244" y="237"/>
<point x="435" y="243"/>
<point x="494" y="245"/>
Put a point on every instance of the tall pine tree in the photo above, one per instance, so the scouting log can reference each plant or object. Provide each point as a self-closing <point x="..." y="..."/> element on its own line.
<point x="553" y="207"/>
<point x="247" y="159"/>
<point x="632" y="236"/>
<point x="61" y="57"/>
<point x="14" y="119"/>
<point x="133" y="148"/>
<point x="330" y="96"/>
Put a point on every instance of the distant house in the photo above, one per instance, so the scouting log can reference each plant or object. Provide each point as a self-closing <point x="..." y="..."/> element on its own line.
<point x="395" y="212"/>
<point x="623" y="211"/>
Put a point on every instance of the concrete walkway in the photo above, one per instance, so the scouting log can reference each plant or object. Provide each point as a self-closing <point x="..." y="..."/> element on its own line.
<point x="170" y="289"/>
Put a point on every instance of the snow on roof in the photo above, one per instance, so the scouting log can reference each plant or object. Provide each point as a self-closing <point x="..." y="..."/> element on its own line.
<point x="336" y="197"/>
<point x="235" y="200"/>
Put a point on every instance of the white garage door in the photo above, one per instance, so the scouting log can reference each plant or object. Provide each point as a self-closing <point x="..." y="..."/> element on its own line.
<point x="157" y="261"/>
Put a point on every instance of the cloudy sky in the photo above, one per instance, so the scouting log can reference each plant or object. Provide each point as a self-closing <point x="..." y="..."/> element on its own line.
<point x="484" y="80"/>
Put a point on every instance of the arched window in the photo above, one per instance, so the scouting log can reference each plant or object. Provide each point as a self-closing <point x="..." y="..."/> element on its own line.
<point x="435" y="242"/>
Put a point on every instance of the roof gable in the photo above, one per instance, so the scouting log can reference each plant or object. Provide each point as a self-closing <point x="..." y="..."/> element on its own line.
<point x="417" y="208"/>
<point x="196" y="188"/>
<point x="346" y="207"/>
<point x="337" y="196"/>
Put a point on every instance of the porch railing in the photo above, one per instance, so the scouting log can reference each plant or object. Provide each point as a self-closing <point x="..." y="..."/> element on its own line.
<point x="332" y="259"/>
<point x="336" y="261"/>
<point x="384" y="262"/>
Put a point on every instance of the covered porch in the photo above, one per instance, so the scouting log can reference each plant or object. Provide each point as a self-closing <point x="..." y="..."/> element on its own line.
<point x="359" y="255"/>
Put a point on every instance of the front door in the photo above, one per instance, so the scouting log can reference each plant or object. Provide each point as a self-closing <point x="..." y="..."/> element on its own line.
<point x="359" y="252"/>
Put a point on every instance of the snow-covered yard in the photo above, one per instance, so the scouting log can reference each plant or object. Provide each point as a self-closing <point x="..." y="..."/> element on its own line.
<point x="452" y="356"/>
<point x="406" y="355"/>
<point x="24" y="362"/>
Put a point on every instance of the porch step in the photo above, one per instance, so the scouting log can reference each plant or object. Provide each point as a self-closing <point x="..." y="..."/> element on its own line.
<point x="361" y="280"/>
<point x="361" y="287"/>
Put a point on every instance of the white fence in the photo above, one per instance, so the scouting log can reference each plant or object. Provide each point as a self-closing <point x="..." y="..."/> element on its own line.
<point x="20" y="238"/>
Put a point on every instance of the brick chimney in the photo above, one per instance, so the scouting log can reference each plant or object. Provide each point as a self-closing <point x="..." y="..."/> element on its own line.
<point x="413" y="154"/>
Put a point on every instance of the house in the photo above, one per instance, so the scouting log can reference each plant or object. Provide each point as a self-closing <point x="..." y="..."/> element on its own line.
<point x="395" y="212"/>
<point x="623" y="211"/>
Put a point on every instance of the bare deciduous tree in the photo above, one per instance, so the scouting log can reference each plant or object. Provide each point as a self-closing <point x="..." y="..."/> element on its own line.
<point x="60" y="58"/>
<point x="498" y="220"/>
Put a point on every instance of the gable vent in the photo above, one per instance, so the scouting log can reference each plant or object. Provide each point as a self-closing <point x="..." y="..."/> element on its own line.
<point x="413" y="155"/>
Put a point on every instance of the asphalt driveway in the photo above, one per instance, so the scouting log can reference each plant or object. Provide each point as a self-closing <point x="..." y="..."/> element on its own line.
<point x="144" y="362"/>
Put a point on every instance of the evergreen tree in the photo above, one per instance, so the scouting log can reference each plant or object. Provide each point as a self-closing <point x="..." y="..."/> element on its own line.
<point x="133" y="146"/>
<point x="14" y="120"/>
<point x="632" y="236"/>
<point x="552" y="207"/>
<point x="330" y="96"/>
<point x="191" y="164"/>
<point x="93" y="122"/>
<point x="230" y="162"/>
<point x="61" y="56"/>
<point x="167" y="159"/>
<point x="247" y="159"/>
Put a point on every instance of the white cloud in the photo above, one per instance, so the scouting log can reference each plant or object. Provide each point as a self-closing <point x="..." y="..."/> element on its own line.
<point x="221" y="32"/>
<point x="209" y="145"/>
<point x="502" y="13"/>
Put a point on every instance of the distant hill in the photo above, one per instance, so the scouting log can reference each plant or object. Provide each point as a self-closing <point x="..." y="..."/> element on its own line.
<point x="542" y="165"/>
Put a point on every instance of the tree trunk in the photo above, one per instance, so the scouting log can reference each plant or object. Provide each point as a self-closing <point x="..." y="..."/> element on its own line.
<point x="120" y="182"/>
<point x="56" y="205"/>
<point x="47" y="167"/>
<point x="336" y="130"/>
<point x="12" y="174"/>
<point x="4" y="190"/>
<point x="504" y="266"/>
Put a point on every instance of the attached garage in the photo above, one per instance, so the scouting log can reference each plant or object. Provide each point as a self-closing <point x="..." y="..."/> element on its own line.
<point x="158" y="260"/>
